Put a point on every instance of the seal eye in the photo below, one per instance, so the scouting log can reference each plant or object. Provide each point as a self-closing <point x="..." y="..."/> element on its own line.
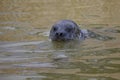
<point x="54" y="29"/>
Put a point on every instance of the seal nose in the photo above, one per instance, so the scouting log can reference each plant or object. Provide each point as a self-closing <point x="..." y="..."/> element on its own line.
<point x="60" y="34"/>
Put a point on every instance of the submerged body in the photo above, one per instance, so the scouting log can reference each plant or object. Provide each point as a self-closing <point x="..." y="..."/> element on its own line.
<point x="65" y="30"/>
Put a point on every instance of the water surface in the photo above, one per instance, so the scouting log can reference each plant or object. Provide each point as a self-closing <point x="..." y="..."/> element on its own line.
<point x="26" y="53"/>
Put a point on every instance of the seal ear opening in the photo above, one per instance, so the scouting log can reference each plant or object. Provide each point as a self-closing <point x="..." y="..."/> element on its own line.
<point x="77" y="31"/>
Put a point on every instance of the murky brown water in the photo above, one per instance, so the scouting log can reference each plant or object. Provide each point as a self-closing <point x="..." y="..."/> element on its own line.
<point x="26" y="53"/>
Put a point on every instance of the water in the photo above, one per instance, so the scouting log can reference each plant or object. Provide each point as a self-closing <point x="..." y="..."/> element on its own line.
<point x="26" y="53"/>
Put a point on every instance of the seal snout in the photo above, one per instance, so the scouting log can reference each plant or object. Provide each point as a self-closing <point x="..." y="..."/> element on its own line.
<point x="60" y="34"/>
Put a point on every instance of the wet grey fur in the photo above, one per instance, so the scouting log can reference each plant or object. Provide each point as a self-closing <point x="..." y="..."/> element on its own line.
<point x="65" y="30"/>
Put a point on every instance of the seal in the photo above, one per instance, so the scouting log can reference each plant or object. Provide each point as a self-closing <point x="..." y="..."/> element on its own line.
<point x="65" y="30"/>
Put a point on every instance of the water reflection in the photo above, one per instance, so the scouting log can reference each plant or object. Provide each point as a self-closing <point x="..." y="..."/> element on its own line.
<point x="66" y="44"/>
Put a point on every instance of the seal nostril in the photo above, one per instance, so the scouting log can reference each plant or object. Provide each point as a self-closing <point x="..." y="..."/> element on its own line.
<point x="56" y="34"/>
<point x="60" y="34"/>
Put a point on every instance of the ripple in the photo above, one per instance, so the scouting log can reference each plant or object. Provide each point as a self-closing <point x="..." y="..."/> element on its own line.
<point x="9" y="28"/>
<point x="1" y="33"/>
<point x="63" y="76"/>
<point x="37" y="65"/>
<point x="21" y="44"/>
<point x="21" y="77"/>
